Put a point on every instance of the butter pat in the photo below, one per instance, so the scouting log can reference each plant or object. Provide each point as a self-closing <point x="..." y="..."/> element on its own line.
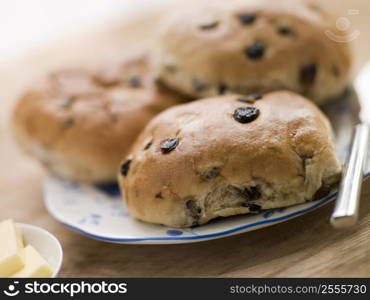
<point x="11" y="245"/>
<point x="35" y="265"/>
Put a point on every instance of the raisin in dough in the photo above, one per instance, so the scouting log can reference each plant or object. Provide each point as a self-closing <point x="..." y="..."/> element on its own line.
<point x="229" y="155"/>
<point x="253" y="46"/>
<point x="78" y="122"/>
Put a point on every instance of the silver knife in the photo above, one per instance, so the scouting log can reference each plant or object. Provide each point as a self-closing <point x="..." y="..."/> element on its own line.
<point x="345" y="213"/>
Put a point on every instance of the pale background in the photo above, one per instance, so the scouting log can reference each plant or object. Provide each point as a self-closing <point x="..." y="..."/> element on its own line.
<point x="27" y="24"/>
<point x="39" y="35"/>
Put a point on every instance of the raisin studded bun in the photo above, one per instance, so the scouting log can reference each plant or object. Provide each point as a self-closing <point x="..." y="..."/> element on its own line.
<point x="229" y="155"/>
<point x="79" y="122"/>
<point x="252" y="46"/>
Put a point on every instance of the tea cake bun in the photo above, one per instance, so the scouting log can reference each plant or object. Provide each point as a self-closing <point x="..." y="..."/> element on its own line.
<point x="229" y="155"/>
<point x="252" y="46"/>
<point x="79" y="122"/>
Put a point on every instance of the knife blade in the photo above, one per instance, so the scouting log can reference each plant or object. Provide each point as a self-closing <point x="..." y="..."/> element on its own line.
<point x="346" y="208"/>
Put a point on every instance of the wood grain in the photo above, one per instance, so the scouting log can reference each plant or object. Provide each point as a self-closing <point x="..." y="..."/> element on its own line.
<point x="305" y="246"/>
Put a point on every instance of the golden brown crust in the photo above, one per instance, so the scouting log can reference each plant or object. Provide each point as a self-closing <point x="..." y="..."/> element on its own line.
<point x="78" y="122"/>
<point x="222" y="166"/>
<point x="253" y="46"/>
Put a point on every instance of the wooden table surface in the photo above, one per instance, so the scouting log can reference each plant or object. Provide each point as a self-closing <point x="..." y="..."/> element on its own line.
<point x="305" y="246"/>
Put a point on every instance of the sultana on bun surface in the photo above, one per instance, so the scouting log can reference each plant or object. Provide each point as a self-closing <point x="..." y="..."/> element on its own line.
<point x="229" y="155"/>
<point x="247" y="46"/>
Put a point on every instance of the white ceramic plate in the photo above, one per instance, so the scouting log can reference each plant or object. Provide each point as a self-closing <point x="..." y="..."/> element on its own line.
<point x="99" y="212"/>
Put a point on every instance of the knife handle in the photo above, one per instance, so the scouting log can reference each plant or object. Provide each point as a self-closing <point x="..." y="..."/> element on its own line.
<point x="346" y="207"/>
